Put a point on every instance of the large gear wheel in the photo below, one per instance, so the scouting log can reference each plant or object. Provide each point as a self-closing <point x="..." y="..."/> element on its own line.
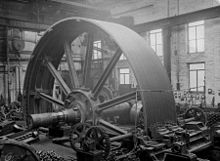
<point x="97" y="139"/>
<point x="196" y="113"/>
<point x="17" y="151"/>
<point x="77" y="135"/>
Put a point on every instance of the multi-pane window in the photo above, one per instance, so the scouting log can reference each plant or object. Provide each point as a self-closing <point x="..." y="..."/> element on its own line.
<point x="196" y="37"/>
<point x="97" y="54"/>
<point x="124" y="75"/>
<point x="197" y="77"/>
<point x="156" y="41"/>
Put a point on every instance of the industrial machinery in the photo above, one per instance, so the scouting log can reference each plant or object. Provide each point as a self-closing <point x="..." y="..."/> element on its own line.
<point x="81" y="120"/>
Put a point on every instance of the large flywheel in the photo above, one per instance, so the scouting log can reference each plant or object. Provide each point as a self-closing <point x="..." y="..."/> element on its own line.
<point x="81" y="93"/>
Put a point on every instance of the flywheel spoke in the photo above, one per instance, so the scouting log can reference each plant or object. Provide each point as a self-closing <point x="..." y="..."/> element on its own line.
<point x="106" y="73"/>
<point x="58" y="77"/>
<point x="88" y="61"/>
<point x="72" y="71"/>
<point x="116" y="101"/>
<point x="51" y="99"/>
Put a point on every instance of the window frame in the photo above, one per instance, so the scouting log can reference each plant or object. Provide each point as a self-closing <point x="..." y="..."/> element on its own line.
<point x="95" y="55"/>
<point x="197" y="76"/>
<point x="195" y="26"/>
<point x="124" y="76"/>
<point x="155" y="43"/>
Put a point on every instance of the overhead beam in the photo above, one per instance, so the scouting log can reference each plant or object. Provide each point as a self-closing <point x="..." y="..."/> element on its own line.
<point x="208" y="13"/>
<point x="23" y="24"/>
<point x="77" y="4"/>
<point x="39" y="15"/>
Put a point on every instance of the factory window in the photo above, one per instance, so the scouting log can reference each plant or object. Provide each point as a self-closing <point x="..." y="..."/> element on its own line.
<point x="156" y="41"/>
<point x="97" y="54"/>
<point x="122" y="57"/>
<point x="196" y="37"/>
<point x="30" y="39"/>
<point x="124" y="74"/>
<point x="197" y="77"/>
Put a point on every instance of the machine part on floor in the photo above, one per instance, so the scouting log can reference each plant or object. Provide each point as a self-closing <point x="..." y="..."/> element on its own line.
<point x="180" y="157"/>
<point x="213" y="119"/>
<point x="197" y="114"/>
<point x="51" y="155"/>
<point x="77" y="135"/>
<point x="216" y="135"/>
<point x="17" y="151"/>
<point x="87" y="156"/>
<point x="6" y="127"/>
<point x="25" y="136"/>
<point x="16" y="112"/>
<point x="96" y="139"/>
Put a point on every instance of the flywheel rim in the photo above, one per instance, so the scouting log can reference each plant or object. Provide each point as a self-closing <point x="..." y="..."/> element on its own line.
<point x="156" y="92"/>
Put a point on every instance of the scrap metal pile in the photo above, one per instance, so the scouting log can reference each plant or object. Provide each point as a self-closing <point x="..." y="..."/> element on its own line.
<point x="11" y="112"/>
<point x="81" y="124"/>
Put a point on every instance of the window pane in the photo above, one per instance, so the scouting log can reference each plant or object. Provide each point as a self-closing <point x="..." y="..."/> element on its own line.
<point x="122" y="79"/>
<point x="197" y="76"/>
<point x="159" y="50"/>
<point x="155" y="31"/>
<point x="29" y="46"/>
<point x="127" y="81"/>
<point x="95" y="56"/>
<point x="192" y="33"/>
<point x="38" y="37"/>
<point x="30" y="36"/>
<point x="152" y="39"/>
<point x="192" y="81"/>
<point x="201" y="78"/>
<point x="154" y="47"/>
<point x="124" y="70"/>
<point x="197" y="66"/>
<point x="122" y="57"/>
<point x="192" y="46"/>
<point x="159" y="38"/>
<point x="200" y="45"/>
<point x="200" y="32"/>
<point x="196" y="23"/>
<point x="156" y="41"/>
<point x="99" y="45"/>
<point x="99" y="55"/>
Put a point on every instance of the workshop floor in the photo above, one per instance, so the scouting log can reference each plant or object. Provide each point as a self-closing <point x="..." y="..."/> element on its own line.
<point x="46" y="144"/>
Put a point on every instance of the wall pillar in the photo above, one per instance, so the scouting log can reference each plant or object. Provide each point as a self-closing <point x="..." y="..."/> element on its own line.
<point x="167" y="50"/>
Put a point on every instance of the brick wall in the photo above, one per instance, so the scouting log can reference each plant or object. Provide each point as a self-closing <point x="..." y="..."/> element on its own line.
<point x="179" y="53"/>
<point x="211" y="57"/>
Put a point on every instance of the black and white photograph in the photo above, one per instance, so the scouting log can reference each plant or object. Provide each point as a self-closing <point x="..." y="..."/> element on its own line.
<point x="109" y="80"/>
